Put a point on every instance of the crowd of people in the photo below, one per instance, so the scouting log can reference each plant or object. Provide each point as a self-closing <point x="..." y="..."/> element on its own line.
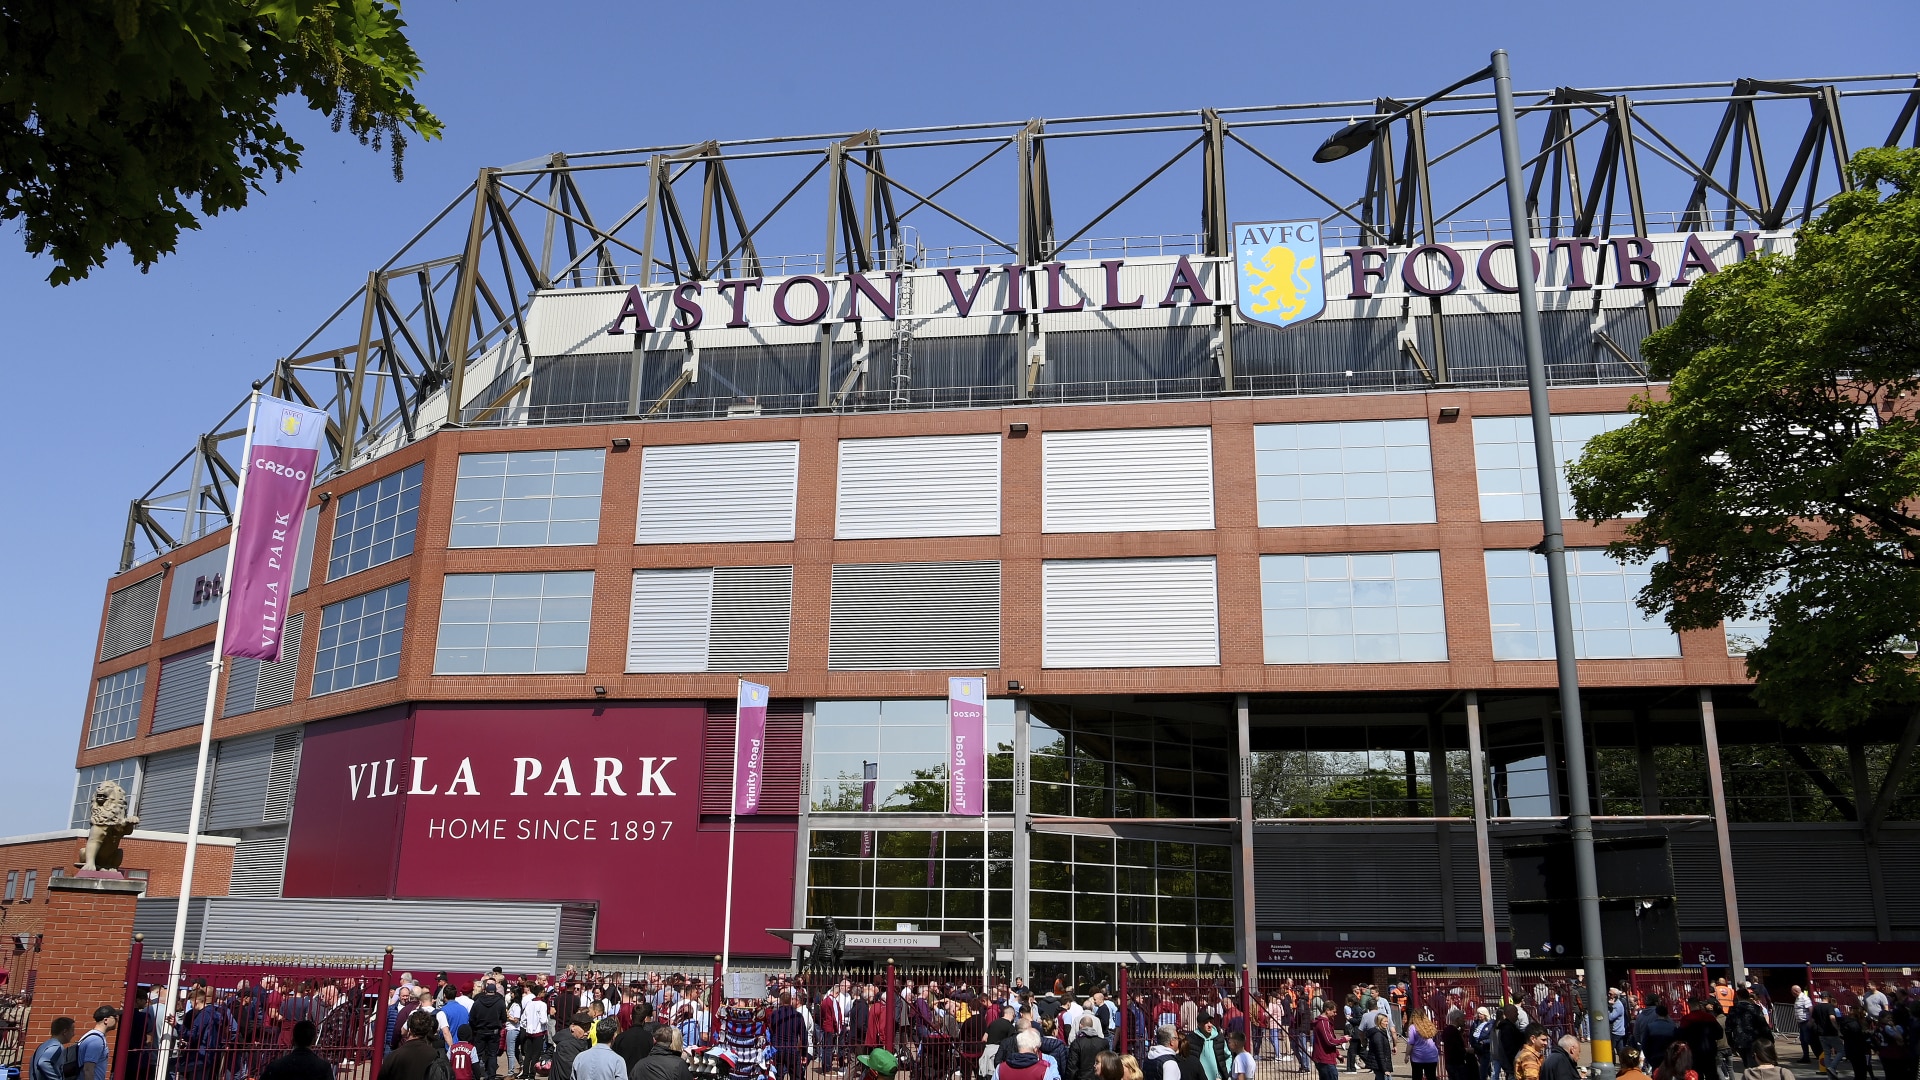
<point x="596" y="1026"/>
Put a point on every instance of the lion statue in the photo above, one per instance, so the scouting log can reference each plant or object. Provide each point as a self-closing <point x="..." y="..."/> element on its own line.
<point x="109" y="822"/>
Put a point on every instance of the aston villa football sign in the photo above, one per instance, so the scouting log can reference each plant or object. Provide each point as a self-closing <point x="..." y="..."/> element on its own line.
<point x="1280" y="270"/>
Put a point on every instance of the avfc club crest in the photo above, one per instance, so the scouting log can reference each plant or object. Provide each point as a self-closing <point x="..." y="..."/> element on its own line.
<point x="1280" y="271"/>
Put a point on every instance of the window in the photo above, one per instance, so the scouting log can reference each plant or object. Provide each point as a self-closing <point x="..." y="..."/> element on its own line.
<point x="512" y="624"/>
<point x="27" y="892"/>
<point x="87" y="779"/>
<point x="1095" y="893"/>
<point x="1504" y="464"/>
<point x="374" y="524"/>
<point x="1607" y="624"/>
<point x="1100" y="763"/>
<point x="116" y="707"/>
<point x="890" y="880"/>
<point x="1357" y="472"/>
<point x="360" y="640"/>
<point x="13" y="885"/>
<point x="1348" y="609"/>
<point x="900" y="749"/>
<point x="528" y="498"/>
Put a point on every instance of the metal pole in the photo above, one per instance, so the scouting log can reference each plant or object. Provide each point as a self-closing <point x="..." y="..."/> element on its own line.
<point x="733" y="795"/>
<point x="893" y="1005"/>
<point x="386" y="988"/>
<point x="1126" y="1009"/>
<point x="1482" y="846"/>
<point x="1553" y="542"/>
<point x="121" y="1047"/>
<point x="1247" y="916"/>
<point x="986" y="902"/>
<point x="714" y="992"/>
<point x="200" y="768"/>
<point x="1736" y="950"/>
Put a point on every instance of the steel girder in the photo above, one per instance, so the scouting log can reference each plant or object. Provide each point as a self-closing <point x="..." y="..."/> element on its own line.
<point x="449" y="309"/>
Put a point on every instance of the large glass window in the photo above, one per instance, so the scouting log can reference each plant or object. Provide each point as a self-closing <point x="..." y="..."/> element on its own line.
<point x="1355" y="770"/>
<point x="374" y="524"/>
<point x="514" y="624"/>
<point x="1105" y="763"/>
<point x="1346" y="609"/>
<point x="1355" y="472"/>
<point x="1504" y="462"/>
<point x="528" y="498"/>
<point x="1607" y="624"/>
<point x="1099" y="893"/>
<point x="893" y="880"/>
<point x="360" y="640"/>
<point x="892" y="756"/>
<point x="116" y="707"/>
<point x="91" y="777"/>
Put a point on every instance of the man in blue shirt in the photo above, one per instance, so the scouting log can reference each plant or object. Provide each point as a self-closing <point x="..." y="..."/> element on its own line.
<point x="47" y="1059"/>
<point x="96" y="1046"/>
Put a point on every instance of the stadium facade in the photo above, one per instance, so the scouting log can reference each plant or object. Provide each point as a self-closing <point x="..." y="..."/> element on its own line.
<point x="1268" y="654"/>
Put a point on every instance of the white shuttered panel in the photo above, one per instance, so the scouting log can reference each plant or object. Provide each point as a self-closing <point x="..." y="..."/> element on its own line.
<point x="259" y="866"/>
<point x="717" y="493"/>
<point x="668" y="627"/>
<point x="1102" y="613"/>
<point x="925" y="485"/>
<point x="730" y="618"/>
<point x="1141" y="480"/>
<point x="914" y="615"/>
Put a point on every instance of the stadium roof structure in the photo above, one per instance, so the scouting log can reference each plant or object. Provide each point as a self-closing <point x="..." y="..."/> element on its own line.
<point x="446" y="318"/>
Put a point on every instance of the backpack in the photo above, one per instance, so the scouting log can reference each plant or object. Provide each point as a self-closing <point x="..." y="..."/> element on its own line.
<point x="68" y="1061"/>
<point x="439" y="1069"/>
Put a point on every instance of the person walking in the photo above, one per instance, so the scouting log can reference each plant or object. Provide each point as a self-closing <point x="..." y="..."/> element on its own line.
<point x="1423" y="1048"/>
<point x="94" y="1051"/>
<point x="48" y="1061"/>
<point x="662" y="1061"/>
<point x="415" y="1053"/>
<point x="1532" y="1055"/>
<point x="1745" y="1025"/>
<point x="300" y="1063"/>
<point x="1766" y="1063"/>
<point x="599" y="1062"/>
<point x="1826" y="1028"/>
<point x="1803" y="1017"/>
<point x="1083" y="1053"/>
<point x="1326" y="1044"/>
<point x="533" y="1033"/>
<point x="1856" y="1038"/>
<point x="570" y="1042"/>
<point x="487" y="1018"/>
<point x="1562" y="1062"/>
<point x="1378" y="1052"/>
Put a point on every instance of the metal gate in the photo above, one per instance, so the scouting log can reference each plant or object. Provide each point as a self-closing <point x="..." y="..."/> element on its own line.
<point x="16" y="1004"/>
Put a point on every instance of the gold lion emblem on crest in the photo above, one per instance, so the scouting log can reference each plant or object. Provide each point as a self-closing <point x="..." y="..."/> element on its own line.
<point x="1282" y="281"/>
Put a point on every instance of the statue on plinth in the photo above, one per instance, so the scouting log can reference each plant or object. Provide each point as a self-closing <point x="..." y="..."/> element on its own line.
<point x="109" y="822"/>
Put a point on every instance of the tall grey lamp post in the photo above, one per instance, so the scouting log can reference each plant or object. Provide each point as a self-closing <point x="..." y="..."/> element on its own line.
<point x="1353" y="137"/>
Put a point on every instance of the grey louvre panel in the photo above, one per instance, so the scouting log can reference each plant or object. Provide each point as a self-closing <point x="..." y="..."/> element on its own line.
<point x="303" y="558"/>
<point x="434" y="935"/>
<point x="718" y="492"/>
<point x="259" y="866"/>
<point x="1900" y="873"/>
<point x="1487" y="348"/>
<point x="276" y="676"/>
<point x="153" y="916"/>
<point x="166" y="790"/>
<point x="574" y="943"/>
<point x="130" y="613"/>
<point x="1129" y="613"/>
<point x="259" y="684"/>
<point x="239" y="795"/>
<point x="1344" y="863"/>
<point x="924" y="485"/>
<point x="194" y="600"/>
<point x="181" y="700"/>
<point x="1325" y="354"/>
<point x="752" y="617"/>
<point x="914" y="615"/>
<point x="1696" y="880"/>
<point x="667" y="625"/>
<point x="1136" y="480"/>
<point x="589" y="387"/>
<point x="1132" y="355"/>
<point x="1768" y="858"/>
<point x="282" y="773"/>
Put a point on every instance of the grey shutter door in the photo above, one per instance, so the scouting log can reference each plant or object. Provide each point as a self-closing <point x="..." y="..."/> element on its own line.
<point x="243" y="685"/>
<point x="130" y="614"/>
<point x="751" y="618"/>
<point x="239" y="795"/>
<point x="276" y="676"/>
<point x="717" y="492"/>
<point x="893" y="616"/>
<point x="259" y="866"/>
<point x="166" y="790"/>
<point x="1142" y="480"/>
<point x="303" y="555"/>
<point x="931" y="485"/>
<point x="1129" y="613"/>
<point x="667" y="625"/>
<point x="181" y="699"/>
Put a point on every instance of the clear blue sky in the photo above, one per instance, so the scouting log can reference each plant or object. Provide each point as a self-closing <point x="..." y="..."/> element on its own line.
<point x="112" y="378"/>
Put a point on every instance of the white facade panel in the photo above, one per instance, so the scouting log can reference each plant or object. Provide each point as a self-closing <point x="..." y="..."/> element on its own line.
<point x="924" y="485"/>
<point x="667" y="629"/>
<point x="718" y="493"/>
<point x="1136" y="480"/>
<point x="914" y="616"/>
<point x="572" y="322"/>
<point x="1110" y="613"/>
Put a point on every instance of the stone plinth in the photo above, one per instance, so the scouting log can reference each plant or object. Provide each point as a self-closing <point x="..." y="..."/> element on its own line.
<point x="83" y="956"/>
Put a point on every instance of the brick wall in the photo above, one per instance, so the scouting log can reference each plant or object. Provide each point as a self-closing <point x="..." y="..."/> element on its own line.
<point x="83" y="956"/>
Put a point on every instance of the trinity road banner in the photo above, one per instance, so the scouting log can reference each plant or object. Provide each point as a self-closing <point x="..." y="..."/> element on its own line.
<point x="749" y="747"/>
<point x="966" y="747"/>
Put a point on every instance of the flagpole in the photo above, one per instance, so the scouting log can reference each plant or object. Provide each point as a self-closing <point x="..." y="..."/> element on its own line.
<point x="214" y="665"/>
<point x="733" y="813"/>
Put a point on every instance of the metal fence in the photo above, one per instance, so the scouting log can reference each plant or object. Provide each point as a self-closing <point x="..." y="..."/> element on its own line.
<point x="16" y="1003"/>
<point x="237" y="1013"/>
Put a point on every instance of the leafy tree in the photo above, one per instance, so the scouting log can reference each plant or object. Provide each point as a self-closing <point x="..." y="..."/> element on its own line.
<point x="122" y="120"/>
<point x="1782" y="471"/>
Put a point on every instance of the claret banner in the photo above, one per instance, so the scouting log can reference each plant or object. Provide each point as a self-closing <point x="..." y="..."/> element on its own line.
<point x="283" y="451"/>
<point x="749" y="747"/>
<point x="966" y="747"/>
